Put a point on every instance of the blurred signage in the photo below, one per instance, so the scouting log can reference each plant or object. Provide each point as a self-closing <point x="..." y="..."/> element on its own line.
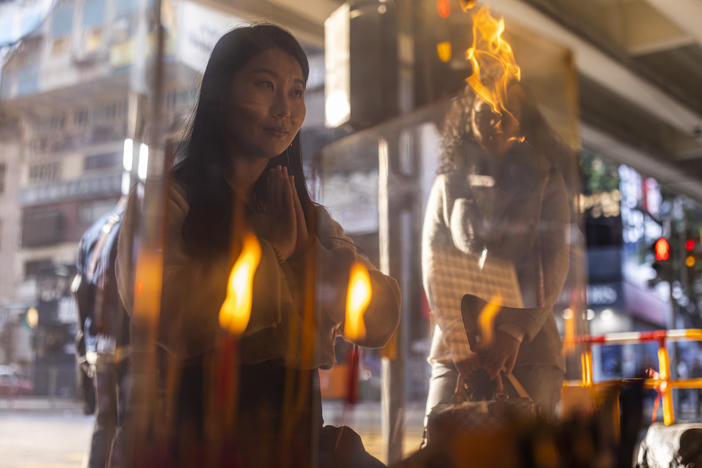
<point x="603" y="294"/>
<point x="199" y="28"/>
<point x="81" y="188"/>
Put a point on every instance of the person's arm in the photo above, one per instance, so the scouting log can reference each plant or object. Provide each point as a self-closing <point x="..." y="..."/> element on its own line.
<point x="437" y="245"/>
<point x="335" y="253"/>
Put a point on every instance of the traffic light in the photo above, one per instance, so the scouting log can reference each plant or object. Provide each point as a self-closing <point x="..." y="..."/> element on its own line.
<point x="441" y="37"/>
<point x="661" y="249"/>
<point x="691" y="263"/>
<point x="662" y="261"/>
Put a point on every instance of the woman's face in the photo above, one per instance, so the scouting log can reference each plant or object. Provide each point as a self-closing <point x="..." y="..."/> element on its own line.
<point x="495" y="132"/>
<point x="267" y="105"/>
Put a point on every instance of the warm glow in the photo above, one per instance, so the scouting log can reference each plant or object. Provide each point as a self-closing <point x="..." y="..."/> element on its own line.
<point x="690" y="261"/>
<point x="494" y="65"/>
<point x="32" y="318"/>
<point x="236" y="308"/>
<point x="357" y="299"/>
<point x="662" y="249"/>
<point x="569" y="327"/>
<point x="486" y="319"/>
<point x="467" y="4"/>
<point x="443" y="49"/>
<point x="444" y="8"/>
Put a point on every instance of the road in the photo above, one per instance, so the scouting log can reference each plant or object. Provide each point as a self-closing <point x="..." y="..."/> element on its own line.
<point x="42" y="434"/>
<point x="44" y="437"/>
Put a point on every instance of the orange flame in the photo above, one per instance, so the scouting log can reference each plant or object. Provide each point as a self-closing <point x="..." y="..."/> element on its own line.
<point x="357" y="299"/>
<point x="467" y="4"/>
<point x="443" y="50"/>
<point x="236" y="308"/>
<point x="569" y="328"/>
<point x="486" y="319"/>
<point x="494" y="65"/>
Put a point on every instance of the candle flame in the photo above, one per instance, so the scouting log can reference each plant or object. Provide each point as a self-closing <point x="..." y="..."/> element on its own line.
<point x="569" y="327"/>
<point x="467" y="4"/>
<point x="236" y="308"/>
<point x="494" y="65"/>
<point x="357" y="299"/>
<point x="443" y="50"/>
<point x="486" y="319"/>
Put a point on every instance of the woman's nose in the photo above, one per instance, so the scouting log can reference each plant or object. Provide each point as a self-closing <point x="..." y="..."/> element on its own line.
<point x="281" y="105"/>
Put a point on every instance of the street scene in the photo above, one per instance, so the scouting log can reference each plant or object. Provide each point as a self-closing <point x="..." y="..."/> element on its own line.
<point x="361" y="233"/>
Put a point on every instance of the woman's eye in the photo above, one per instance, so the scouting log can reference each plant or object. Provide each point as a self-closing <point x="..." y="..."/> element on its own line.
<point x="266" y="84"/>
<point x="298" y="92"/>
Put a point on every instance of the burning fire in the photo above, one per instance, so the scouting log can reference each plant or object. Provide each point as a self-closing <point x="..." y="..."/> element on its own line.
<point x="494" y="65"/>
<point x="357" y="299"/>
<point x="236" y="308"/>
<point x="486" y="319"/>
<point x="467" y="4"/>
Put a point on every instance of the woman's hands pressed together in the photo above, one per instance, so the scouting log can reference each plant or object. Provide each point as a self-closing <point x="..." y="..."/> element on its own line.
<point x="283" y="222"/>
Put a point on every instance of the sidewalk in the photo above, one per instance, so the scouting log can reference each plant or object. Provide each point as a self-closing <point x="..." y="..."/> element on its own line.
<point x="40" y="404"/>
<point x="365" y="418"/>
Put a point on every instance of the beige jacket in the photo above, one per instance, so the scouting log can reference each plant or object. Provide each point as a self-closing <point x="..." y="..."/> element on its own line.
<point x="518" y="215"/>
<point x="193" y="292"/>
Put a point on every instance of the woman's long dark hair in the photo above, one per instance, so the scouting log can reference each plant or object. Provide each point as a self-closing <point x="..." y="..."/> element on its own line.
<point x="457" y="133"/>
<point x="208" y="226"/>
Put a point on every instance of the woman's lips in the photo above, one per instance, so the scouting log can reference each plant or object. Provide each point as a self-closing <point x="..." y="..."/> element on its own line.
<point x="277" y="131"/>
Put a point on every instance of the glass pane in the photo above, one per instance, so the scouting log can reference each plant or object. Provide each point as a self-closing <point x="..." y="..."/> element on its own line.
<point x="448" y="259"/>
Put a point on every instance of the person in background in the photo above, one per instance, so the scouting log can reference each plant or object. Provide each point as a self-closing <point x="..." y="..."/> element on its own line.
<point x="102" y="320"/>
<point x="495" y="224"/>
<point x="241" y="169"/>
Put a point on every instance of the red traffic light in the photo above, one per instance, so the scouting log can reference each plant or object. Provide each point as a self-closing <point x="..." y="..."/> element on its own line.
<point x="690" y="245"/>
<point x="444" y="8"/>
<point x="662" y="249"/>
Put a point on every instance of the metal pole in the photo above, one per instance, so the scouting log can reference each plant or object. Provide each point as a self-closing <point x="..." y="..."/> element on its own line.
<point x="143" y="399"/>
<point x="395" y="224"/>
<point x="393" y="364"/>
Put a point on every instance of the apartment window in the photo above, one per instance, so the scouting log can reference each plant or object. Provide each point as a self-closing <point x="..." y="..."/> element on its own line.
<point x="102" y="161"/>
<point x="44" y="172"/>
<point x="94" y="13"/>
<point x="60" y="46"/>
<point x="27" y="79"/>
<point x="105" y="112"/>
<point x="89" y="212"/>
<point x="62" y="21"/>
<point x="42" y="227"/>
<point x="38" y="146"/>
<point x="58" y="122"/>
<point x="126" y="7"/>
<point x="33" y="268"/>
<point x="80" y="117"/>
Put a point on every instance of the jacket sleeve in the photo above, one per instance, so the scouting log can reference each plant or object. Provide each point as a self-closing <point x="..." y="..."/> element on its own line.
<point x="194" y="290"/>
<point x="335" y="253"/>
